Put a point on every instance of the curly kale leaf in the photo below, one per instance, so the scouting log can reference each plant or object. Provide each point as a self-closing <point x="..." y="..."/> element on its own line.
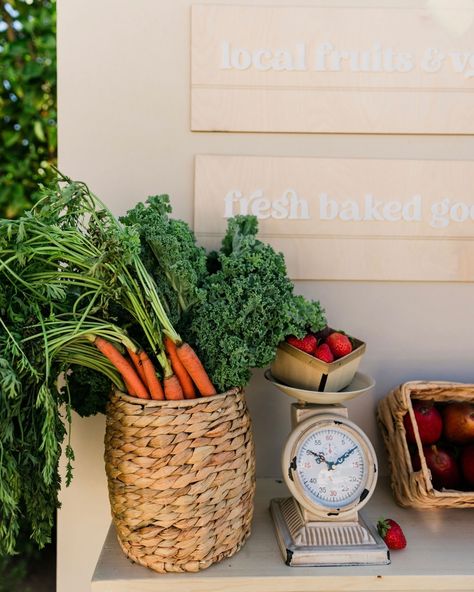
<point x="170" y="253"/>
<point x="88" y="391"/>
<point x="241" y="230"/>
<point x="305" y="316"/>
<point x="249" y="307"/>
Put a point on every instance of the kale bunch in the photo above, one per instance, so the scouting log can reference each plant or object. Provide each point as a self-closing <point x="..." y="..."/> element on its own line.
<point x="87" y="390"/>
<point x="249" y="307"/>
<point x="170" y="253"/>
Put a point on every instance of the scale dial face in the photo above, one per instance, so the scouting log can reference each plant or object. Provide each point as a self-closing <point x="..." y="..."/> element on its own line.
<point x="330" y="465"/>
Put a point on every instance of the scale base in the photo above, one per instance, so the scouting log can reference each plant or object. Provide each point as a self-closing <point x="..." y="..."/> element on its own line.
<point x="325" y="543"/>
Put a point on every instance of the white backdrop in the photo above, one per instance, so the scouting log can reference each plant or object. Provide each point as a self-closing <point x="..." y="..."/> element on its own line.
<point x="124" y="115"/>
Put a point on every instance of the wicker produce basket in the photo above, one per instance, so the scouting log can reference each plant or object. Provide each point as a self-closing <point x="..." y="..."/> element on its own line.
<point x="414" y="488"/>
<point x="181" y="478"/>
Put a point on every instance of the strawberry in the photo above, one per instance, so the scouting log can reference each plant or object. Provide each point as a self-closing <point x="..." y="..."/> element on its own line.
<point x="339" y="344"/>
<point x="391" y="533"/>
<point x="324" y="353"/>
<point x="308" y="344"/>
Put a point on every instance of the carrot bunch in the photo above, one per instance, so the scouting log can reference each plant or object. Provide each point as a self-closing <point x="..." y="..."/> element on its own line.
<point x="187" y="378"/>
<point x="71" y="279"/>
<point x="90" y="255"/>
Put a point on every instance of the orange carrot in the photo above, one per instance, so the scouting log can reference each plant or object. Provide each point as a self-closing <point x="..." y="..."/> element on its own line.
<point x="196" y="370"/>
<point x="129" y="388"/>
<point x="179" y="370"/>
<point x="154" y="386"/>
<point x="173" y="390"/>
<point x="135" y="357"/>
<point x="123" y="366"/>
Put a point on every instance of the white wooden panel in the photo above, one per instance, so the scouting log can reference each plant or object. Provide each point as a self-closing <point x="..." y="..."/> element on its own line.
<point x="352" y="219"/>
<point x="333" y="69"/>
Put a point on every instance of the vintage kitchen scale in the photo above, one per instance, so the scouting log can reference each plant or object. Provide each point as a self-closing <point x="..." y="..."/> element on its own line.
<point x="330" y="468"/>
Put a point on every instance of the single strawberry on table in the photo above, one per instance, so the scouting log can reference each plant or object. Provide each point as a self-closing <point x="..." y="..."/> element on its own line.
<point x="391" y="533"/>
<point x="307" y="344"/>
<point x="339" y="344"/>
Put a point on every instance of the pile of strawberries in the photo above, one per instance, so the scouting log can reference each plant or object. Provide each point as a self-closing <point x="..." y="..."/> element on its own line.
<point x="326" y="346"/>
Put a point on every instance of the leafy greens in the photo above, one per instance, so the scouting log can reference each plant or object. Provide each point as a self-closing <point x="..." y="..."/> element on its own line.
<point x="68" y="272"/>
<point x="249" y="307"/>
<point x="235" y="305"/>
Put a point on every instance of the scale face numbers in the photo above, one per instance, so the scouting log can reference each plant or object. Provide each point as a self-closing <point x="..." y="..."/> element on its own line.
<point x="332" y="467"/>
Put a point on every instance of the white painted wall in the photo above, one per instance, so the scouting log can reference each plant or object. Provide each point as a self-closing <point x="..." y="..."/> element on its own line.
<point x="124" y="128"/>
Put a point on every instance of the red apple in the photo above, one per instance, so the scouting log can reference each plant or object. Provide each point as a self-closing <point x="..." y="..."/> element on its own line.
<point x="467" y="464"/>
<point x="443" y="467"/>
<point x="428" y="420"/>
<point x="458" y="419"/>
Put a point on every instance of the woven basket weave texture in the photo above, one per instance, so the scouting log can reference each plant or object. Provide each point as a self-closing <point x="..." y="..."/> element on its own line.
<point x="414" y="488"/>
<point x="181" y="478"/>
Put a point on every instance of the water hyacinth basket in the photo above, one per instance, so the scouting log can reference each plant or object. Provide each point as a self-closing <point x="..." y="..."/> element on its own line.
<point x="181" y="479"/>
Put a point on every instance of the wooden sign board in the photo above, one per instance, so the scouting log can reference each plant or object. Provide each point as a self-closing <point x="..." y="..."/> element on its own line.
<point x="346" y="219"/>
<point x="333" y="69"/>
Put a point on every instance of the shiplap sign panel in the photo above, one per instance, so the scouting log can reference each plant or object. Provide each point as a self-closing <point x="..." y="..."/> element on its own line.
<point x="333" y="69"/>
<point x="346" y="219"/>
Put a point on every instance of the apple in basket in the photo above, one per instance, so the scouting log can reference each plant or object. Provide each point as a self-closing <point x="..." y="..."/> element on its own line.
<point x="428" y="420"/>
<point x="459" y="422"/>
<point x="443" y="466"/>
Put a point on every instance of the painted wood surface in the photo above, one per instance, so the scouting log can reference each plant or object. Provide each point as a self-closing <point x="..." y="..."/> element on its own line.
<point x="347" y="219"/>
<point x="333" y="69"/>
<point x="438" y="558"/>
<point x="138" y="62"/>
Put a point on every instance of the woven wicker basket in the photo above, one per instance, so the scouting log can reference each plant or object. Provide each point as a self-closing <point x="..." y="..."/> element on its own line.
<point x="414" y="488"/>
<point x="181" y="477"/>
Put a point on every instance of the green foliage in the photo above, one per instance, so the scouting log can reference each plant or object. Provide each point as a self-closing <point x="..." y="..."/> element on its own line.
<point x="248" y="309"/>
<point x="27" y="145"/>
<point x="68" y="271"/>
<point x="31" y="426"/>
<point x="234" y="306"/>
<point x="27" y="101"/>
<point x="88" y="390"/>
<point x="14" y="570"/>
<point x="170" y="253"/>
<point x="31" y="429"/>
<point x="303" y="316"/>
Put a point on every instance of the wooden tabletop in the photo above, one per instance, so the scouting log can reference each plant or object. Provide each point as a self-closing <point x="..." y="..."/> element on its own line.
<point x="439" y="556"/>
